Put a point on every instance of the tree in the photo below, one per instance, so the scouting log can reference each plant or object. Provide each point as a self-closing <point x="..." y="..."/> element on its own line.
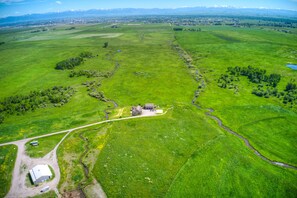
<point x="105" y="45"/>
<point x="69" y="63"/>
<point x="86" y="55"/>
<point x="291" y="86"/>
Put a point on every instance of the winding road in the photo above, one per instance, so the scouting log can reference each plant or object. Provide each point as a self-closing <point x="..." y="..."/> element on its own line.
<point x="24" y="163"/>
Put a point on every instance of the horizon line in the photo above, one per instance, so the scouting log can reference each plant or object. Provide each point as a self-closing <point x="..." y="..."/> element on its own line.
<point x="173" y="8"/>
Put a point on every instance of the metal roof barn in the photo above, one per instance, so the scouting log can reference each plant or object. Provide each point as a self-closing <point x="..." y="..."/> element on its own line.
<point x="40" y="173"/>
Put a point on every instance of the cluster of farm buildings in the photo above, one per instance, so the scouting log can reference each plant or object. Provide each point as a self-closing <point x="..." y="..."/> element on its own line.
<point x="149" y="107"/>
<point x="42" y="173"/>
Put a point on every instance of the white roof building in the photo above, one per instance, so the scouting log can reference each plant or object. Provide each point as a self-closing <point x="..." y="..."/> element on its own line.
<point x="40" y="173"/>
<point x="159" y="111"/>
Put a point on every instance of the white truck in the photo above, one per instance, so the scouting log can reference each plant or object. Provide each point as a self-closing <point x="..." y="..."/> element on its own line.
<point x="46" y="188"/>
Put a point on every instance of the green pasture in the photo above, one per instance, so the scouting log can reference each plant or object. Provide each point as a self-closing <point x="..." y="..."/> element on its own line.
<point x="149" y="152"/>
<point x="226" y="168"/>
<point x="29" y="66"/>
<point x="71" y="150"/>
<point x="270" y="125"/>
<point x="183" y="153"/>
<point x="45" y="145"/>
<point x="49" y="194"/>
<point x="7" y="159"/>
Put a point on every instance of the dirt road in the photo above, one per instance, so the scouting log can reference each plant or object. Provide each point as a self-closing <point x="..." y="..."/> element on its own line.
<point x="22" y="166"/>
<point x="24" y="163"/>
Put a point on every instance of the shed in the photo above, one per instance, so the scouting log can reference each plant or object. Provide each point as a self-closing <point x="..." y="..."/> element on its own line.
<point x="40" y="173"/>
<point x="149" y="106"/>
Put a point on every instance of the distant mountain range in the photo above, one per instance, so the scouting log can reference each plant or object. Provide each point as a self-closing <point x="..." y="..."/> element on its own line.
<point x="202" y="11"/>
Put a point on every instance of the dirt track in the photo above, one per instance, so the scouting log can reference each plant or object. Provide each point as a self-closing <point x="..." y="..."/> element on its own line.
<point x="24" y="163"/>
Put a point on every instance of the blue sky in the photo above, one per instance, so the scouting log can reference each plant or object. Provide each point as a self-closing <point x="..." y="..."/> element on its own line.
<point x="21" y="7"/>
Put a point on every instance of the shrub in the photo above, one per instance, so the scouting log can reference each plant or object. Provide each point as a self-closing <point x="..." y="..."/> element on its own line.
<point x="86" y="55"/>
<point x="69" y="63"/>
<point x="19" y="104"/>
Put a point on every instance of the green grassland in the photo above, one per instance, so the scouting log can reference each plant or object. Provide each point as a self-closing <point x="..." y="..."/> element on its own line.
<point x="226" y="168"/>
<point x="181" y="153"/>
<point x="269" y="125"/>
<point x="45" y="145"/>
<point x="70" y="152"/>
<point x="33" y="70"/>
<point x="142" y="157"/>
<point x="7" y="159"/>
<point x="49" y="194"/>
<point x="68" y="158"/>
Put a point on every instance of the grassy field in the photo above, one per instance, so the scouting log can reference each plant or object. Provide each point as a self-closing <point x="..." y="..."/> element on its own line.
<point x="46" y="144"/>
<point x="7" y="159"/>
<point x="50" y="194"/>
<point x="181" y="153"/>
<point x="141" y="157"/>
<point x="216" y="48"/>
<point x="226" y="168"/>
<point x="164" y="156"/>
<point x="70" y="152"/>
<point x="33" y="70"/>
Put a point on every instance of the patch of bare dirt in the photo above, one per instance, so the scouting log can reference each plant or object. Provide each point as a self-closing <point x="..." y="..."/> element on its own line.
<point x="73" y="194"/>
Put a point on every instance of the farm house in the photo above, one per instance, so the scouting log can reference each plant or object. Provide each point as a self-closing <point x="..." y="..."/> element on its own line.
<point x="136" y="111"/>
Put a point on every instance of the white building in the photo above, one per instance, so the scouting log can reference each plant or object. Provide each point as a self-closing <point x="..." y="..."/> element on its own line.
<point x="159" y="111"/>
<point x="40" y="173"/>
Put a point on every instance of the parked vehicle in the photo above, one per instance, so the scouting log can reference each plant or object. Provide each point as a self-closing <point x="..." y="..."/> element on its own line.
<point x="45" y="189"/>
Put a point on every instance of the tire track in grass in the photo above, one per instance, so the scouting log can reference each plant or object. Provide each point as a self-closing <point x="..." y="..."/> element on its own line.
<point x="192" y="156"/>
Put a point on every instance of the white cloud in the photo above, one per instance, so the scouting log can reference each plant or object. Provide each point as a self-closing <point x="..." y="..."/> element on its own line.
<point x="58" y="2"/>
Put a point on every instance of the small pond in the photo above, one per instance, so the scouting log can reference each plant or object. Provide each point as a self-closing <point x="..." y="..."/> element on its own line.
<point x="292" y="66"/>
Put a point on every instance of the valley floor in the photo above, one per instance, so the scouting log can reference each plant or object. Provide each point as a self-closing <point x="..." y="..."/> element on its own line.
<point x="244" y="148"/>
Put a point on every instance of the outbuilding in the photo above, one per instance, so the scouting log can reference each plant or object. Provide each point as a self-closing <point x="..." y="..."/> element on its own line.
<point x="40" y="173"/>
<point x="149" y="106"/>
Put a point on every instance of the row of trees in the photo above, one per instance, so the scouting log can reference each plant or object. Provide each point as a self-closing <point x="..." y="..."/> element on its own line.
<point x="255" y="75"/>
<point x="40" y="30"/>
<point x="88" y="74"/>
<point x="70" y="63"/>
<point x="289" y="95"/>
<point x="93" y="90"/>
<point x="86" y="55"/>
<point x="93" y="85"/>
<point x="98" y="95"/>
<point x="19" y="104"/>
<point x="227" y="81"/>
<point x="192" y="29"/>
<point x="187" y="29"/>
<point x="266" y="84"/>
<point x="70" y="28"/>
